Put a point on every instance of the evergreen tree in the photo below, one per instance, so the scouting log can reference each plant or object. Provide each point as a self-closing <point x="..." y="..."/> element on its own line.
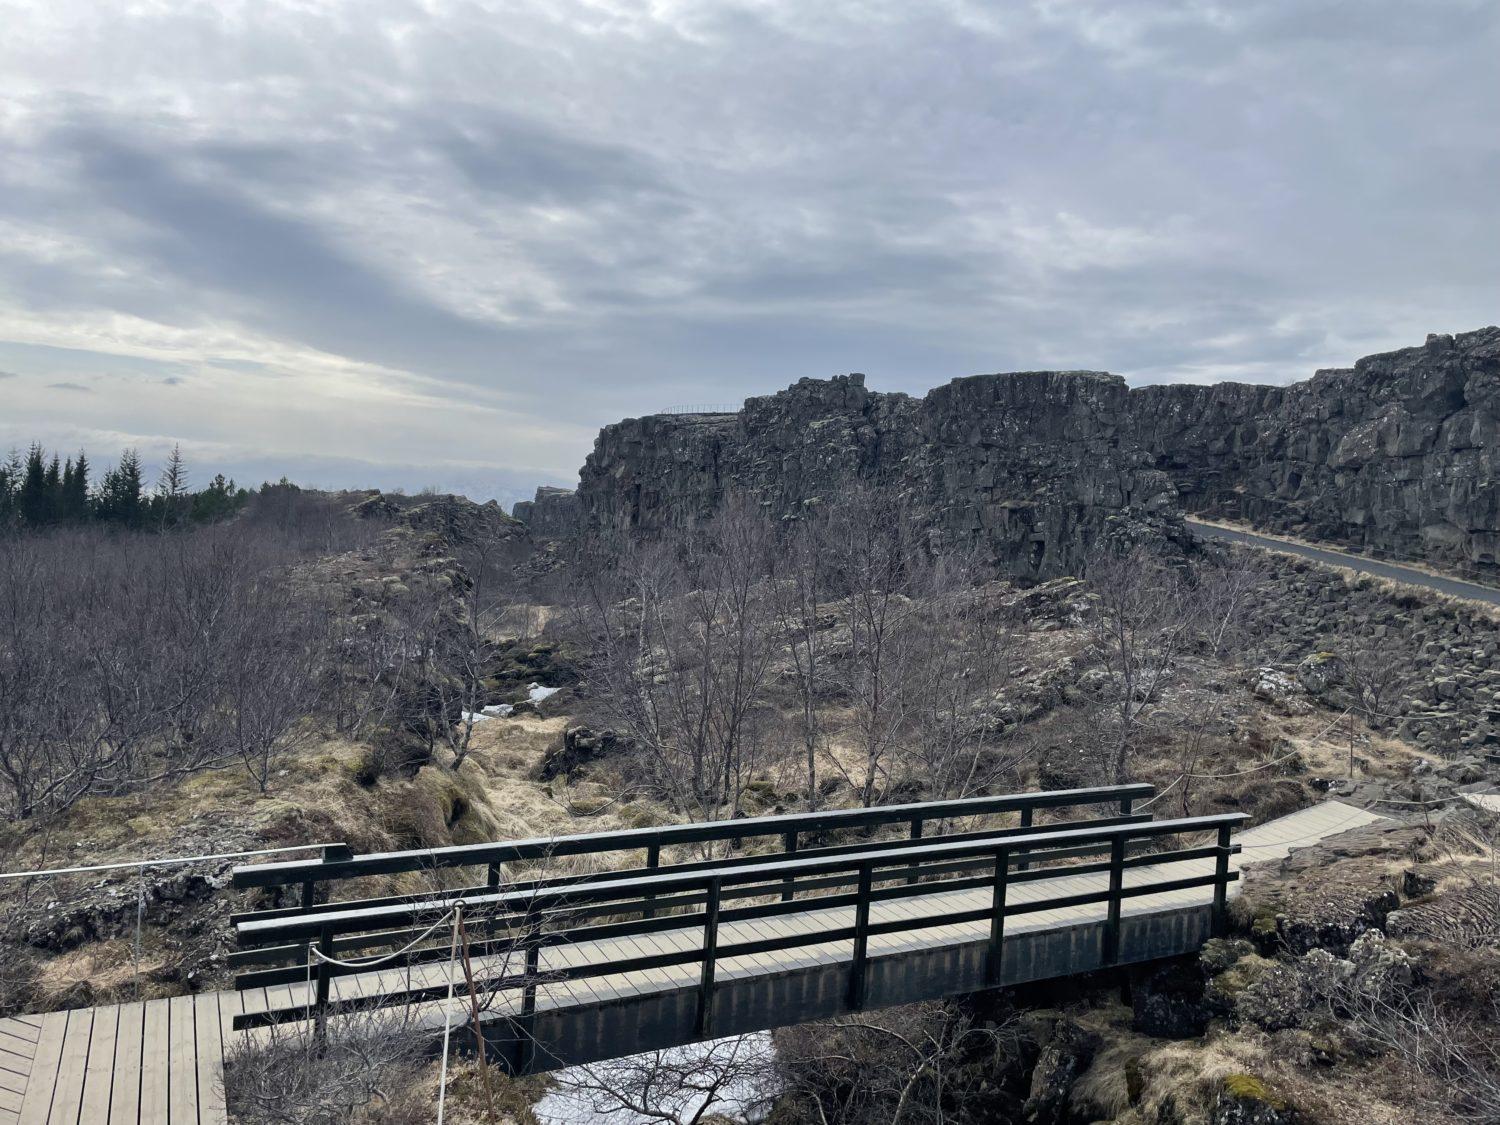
<point x="34" y="501"/>
<point x="220" y="499"/>
<point x="119" y="500"/>
<point x="75" y="501"/>
<point x="10" y="485"/>
<point x="53" y="484"/>
<point x="173" y="501"/>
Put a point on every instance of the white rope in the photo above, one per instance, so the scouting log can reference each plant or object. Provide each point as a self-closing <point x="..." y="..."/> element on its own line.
<point x="143" y="863"/>
<point x="448" y="1014"/>
<point x="379" y="959"/>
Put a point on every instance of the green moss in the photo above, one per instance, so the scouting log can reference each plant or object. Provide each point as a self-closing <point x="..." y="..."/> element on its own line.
<point x="1241" y="975"/>
<point x="1248" y="1088"/>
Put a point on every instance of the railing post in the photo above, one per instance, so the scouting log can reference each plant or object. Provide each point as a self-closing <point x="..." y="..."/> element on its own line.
<point x="533" y="946"/>
<point x="1127" y="805"/>
<point x="1027" y="814"/>
<point x="492" y="881"/>
<point x="705" y="1021"/>
<point x="856" y="996"/>
<point x="916" y="834"/>
<point x="789" y="842"/>
<point x="324" y="983"/>
<point x="1221" y="885"/>
<point x="653" y="861"/>
<point x="997" y="918"/>
<point x="1111" y="951"/>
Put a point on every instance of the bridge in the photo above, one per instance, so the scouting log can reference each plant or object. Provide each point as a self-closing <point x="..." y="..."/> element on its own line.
<point x="577" y="948"/>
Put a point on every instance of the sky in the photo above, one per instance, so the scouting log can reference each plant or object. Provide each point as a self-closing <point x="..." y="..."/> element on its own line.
<point x="440" y="242"/>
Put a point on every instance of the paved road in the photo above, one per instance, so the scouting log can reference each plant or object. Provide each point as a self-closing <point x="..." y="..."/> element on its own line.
<point x="1453" y="587"/>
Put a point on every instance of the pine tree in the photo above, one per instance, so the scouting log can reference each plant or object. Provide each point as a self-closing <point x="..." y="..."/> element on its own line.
<point x="172" y="497"/>
<point x="75" y="505"/>
<point x="119" y="499"/>
<point x="34" y="501"/>
<point x="10" y="482"/>
<point x="53" y="484"/>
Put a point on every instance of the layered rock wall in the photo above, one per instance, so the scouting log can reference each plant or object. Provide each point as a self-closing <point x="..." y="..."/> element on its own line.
<point x="1399" y="455"/>
<point x="1032" y="468"/>
<point x="552" y="514"/>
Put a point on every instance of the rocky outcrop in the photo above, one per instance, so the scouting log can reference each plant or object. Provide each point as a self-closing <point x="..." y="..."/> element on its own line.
<point x="1032" y="468"/>
<point x="551" y="514"/>
<point x="1398" y="455"/>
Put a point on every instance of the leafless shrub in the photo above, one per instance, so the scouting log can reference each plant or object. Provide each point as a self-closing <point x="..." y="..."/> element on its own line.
<point x="682" y="1086"/>
<point x="679" y="640"/>
<point x="365" y="1073"/>
<point x="1139" y="628"/>
<point x="919" y="1063"/>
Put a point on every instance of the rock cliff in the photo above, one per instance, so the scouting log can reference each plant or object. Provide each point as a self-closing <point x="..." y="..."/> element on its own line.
<point x="1032" y="467"/>
<point x="1399" y="455"/>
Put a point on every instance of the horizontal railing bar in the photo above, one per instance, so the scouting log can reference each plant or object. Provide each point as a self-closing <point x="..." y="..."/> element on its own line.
<point x="677" y="868"/>
<point x="694" y="955"/>
<point x="931" y="921"/>
<point x="346" y="921"/>
<point x="511" y="851"/>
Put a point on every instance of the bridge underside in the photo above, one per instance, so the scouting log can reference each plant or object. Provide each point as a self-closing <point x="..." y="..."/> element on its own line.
<point x="746" y="1001"/>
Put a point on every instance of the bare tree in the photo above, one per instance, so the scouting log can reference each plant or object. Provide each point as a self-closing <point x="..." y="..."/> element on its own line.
<point x="269" y="683"/>
<point x="682" y="1086"/>
<point x="897" y="1067"/>
<point x="680" y="636"/>
<point x="1139" y="626"/>
<point x="962" y="654"/>
<point x="805" y="621"/>
<point x="1377" y="674"/>
<point x="873" y="549"/>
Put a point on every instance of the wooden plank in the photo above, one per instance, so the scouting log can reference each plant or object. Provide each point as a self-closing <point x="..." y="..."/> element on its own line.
<point x="182" y="1062"/>
<point x="37" y="1105"/>
<point x="125" y="1086"/>
<point x="67" y="1093"/>
<point x="10" y="1101"/>
<point x="13" y="1077"/>
<point x="155" y="1072"/>
<point x="210" y="1058"/>
<point x="98" y="1080"/>
<point x="15" y="1031"/>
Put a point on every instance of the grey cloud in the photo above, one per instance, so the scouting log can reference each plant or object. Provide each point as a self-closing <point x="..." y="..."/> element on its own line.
<point x="598" y="216"/>
<point x="65" y="386"/>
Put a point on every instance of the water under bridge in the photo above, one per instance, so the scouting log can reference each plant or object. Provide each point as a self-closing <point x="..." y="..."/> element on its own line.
<point x="577" y="948"/>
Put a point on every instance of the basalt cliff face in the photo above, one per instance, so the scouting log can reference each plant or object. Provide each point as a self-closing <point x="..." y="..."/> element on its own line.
<point x="1031" y="467"/>
<point x="1399" y="455"/>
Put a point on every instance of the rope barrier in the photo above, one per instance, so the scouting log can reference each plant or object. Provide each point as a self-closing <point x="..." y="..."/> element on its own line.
<point x="371" y="962"/>
<point x="142" y="863"/>
<point x="448" y="1014"/>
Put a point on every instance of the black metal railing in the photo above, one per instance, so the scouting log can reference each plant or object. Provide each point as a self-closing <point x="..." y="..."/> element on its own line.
<point x="339" y="863"/>
<point x="540" y="916"/>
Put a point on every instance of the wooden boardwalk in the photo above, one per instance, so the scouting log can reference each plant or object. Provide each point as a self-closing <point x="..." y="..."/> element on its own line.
<point x="161" y="1062"/>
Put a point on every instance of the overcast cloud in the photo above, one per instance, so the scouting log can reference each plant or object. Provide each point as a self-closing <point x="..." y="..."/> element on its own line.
<point x="442" y="241"/>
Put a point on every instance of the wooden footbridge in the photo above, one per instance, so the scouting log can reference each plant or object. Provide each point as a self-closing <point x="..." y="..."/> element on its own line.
<point x="578" y="948"/>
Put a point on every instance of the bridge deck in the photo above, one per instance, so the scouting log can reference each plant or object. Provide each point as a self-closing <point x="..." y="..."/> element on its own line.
<point x="161" y="1062"/>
